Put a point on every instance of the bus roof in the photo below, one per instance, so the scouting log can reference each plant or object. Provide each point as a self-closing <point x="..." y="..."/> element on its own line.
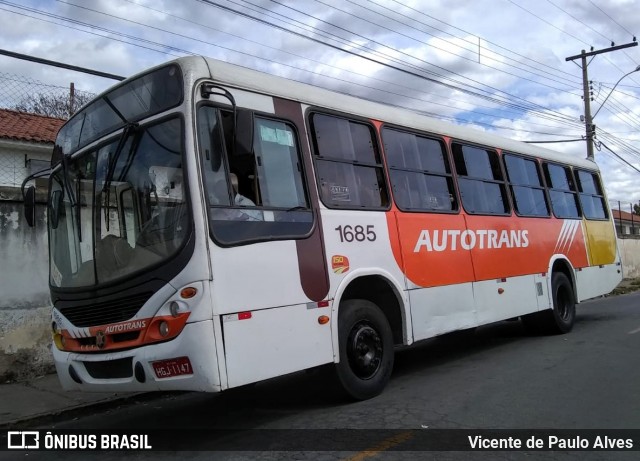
<point x="252" y="80"/>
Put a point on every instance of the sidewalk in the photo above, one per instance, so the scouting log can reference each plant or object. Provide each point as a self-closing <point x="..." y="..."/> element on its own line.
<point x="43" y="397"/>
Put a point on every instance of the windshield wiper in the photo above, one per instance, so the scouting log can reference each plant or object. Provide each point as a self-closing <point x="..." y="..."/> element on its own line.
<point x="129" y="129"/>
<point x="73" y="200"/>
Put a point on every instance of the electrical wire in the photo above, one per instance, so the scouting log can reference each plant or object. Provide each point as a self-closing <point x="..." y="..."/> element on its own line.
<point x="527" y="59"/>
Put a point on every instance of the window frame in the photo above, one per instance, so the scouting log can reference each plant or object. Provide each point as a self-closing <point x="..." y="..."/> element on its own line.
<point x="225" y="165"/>
<point x="542" y="186"/>
<point x="449" y="177"/>
<point x="598" y="183"/>
<point x="573" y="188"/>
<point x="378" y="151"/>
<point x="503" y="182"/>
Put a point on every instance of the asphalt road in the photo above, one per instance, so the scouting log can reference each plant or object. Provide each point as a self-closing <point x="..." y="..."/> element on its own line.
<point x="496" y="378"/>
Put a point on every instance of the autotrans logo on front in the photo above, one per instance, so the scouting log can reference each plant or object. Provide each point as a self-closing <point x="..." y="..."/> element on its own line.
<point x="453" y="239"/>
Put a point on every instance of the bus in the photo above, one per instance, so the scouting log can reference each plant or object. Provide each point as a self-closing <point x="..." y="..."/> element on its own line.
<point x="211" y="226"/>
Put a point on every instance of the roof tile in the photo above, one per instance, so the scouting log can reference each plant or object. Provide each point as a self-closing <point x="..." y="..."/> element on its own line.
<point x="21" y="126"/>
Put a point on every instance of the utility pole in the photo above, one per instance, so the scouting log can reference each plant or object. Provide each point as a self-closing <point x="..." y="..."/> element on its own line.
<point x="590" y="128"/>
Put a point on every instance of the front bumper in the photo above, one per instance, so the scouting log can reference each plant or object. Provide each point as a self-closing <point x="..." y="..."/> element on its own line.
<point x="132" y="370"/>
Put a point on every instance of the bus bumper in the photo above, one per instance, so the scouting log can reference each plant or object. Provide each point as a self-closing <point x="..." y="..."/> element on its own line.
<point x="187" y="362"/>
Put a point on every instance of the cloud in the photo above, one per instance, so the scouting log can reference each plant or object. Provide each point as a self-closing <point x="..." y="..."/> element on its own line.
<point x="521" y="88"/>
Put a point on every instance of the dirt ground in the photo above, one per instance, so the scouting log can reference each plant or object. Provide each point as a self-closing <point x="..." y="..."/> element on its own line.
<point x="626" y="286"/>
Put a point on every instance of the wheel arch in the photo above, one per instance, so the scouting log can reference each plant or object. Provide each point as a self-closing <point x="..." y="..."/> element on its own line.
<point x="380" y="288"/>
<point x="560" y="263"/>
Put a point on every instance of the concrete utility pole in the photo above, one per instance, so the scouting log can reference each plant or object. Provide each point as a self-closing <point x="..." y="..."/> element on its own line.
<point x="588" y="120"/>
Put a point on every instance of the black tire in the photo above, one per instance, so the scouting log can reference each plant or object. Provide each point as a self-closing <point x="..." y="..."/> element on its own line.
<point x="366" y="349"/>
<point x="562" y="316"/>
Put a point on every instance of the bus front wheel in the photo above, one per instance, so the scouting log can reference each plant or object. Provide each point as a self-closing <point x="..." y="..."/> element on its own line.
<point x="366" y="349"/>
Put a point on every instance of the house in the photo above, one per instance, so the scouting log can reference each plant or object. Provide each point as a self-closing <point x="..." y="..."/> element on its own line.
<point x="26" y="143"/>
<point x="627" y="224"/>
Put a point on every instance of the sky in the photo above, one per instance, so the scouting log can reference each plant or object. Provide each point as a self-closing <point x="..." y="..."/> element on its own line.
<point x="492" y="65"/>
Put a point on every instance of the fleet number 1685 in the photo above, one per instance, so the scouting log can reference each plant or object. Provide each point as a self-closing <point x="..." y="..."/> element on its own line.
<point x="356" y="233"/>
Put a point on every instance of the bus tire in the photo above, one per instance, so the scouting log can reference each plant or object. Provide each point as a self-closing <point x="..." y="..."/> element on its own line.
<point x="366" y="349"/>
<point x="562" y="316"/>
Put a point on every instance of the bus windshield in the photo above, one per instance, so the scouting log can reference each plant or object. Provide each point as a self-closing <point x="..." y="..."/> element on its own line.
<point x="119" y="208"/>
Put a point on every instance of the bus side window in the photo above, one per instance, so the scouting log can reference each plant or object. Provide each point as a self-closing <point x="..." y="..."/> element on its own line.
<point x="526" y="186"/>
<point x="482" y="187"/>
<point x="591" y="195"/>
<point x="419" y="171"/>
<point x="562" y="190"/>
<point x="348" y="164"/>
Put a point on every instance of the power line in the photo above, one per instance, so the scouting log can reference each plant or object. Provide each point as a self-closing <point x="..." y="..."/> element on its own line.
<point x="614" y="21"/>
<point x="293" y="67"/>
<point x="442" y="49"/>
<point x="618" y="156"/>
<point x="88" y="31"/>
<point x="548" y="23"/>
<point x="368" y="87"/>
<point x="474" y="45"/>
<point x="496" y="99"/>
<point x="585" y="25"/>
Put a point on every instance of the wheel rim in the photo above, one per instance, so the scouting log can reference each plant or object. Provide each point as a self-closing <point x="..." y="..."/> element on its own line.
<point x="364" y="350"/>
<point x="563" y="303"/>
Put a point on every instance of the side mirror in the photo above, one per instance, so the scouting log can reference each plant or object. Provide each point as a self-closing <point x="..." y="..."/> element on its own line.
<point x="30" y="205"/>
<point x="243" y="136"/>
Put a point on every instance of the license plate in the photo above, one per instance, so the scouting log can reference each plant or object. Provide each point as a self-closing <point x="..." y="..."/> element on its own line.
<point x="172" y="367"/>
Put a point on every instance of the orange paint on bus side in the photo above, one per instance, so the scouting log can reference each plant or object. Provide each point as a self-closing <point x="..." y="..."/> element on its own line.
<point x="437" y="249"/>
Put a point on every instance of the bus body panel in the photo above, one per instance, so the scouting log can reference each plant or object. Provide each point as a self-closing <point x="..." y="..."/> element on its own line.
<point x="505" y="298"/>
<point x="597" y="280"/>
<point x="355" y="240"/>
<point x="273" y="280"/>
<point x="602" y="243"/>
<point x="419" y="247"/>
<point x="272" y="342"/>
<point x="441" y="309"/>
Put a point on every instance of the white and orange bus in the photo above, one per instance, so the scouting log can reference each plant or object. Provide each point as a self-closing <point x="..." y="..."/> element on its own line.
<point x="211" y="226"/>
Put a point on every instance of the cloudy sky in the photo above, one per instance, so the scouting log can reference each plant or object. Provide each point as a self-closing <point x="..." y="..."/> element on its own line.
<point x="493" y="65"/>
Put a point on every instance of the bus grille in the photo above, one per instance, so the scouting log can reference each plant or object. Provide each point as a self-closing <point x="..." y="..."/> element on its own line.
<point x="102" y="313"/>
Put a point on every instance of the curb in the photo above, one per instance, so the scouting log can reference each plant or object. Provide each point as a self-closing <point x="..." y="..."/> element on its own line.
<point x="81" y="409"/>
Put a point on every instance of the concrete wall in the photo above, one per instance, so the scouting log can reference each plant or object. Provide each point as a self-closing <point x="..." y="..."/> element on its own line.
<point x="25" y="306"/>
<point x="630" y="252"/>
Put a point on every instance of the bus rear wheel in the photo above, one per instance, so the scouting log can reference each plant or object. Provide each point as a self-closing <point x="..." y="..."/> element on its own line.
<point x="562" y="316"/>
<point x="366" y="349"/>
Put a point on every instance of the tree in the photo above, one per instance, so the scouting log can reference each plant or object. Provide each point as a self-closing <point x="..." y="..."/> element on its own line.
<point x="636" y="209"/>
<point x="52" y="105"/>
